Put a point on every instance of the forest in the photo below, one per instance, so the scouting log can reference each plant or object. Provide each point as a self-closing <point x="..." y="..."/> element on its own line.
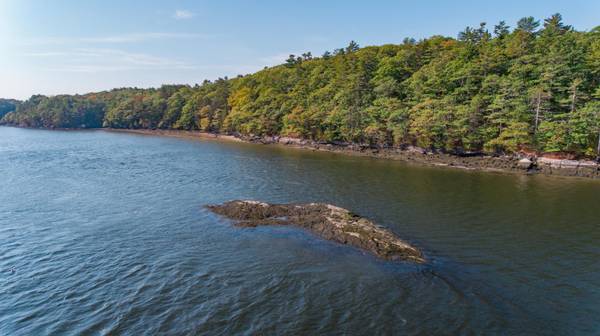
<point x="534" y="87"/>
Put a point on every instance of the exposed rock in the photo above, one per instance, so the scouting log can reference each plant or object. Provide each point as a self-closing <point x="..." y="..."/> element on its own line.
<point x="569" y="167"/>
<point x="525" y="163"/>
<point x="327" y="221"/>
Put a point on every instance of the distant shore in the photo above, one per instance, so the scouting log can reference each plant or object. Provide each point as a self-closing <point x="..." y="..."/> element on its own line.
<point x="521" y="164"/>
<point x="177" y="134"/>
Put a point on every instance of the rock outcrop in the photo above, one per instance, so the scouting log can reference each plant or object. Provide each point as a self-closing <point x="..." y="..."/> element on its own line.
<point x="525" y="163"/>
<point x="561" y="167"/>
<point x="325" y="220"/>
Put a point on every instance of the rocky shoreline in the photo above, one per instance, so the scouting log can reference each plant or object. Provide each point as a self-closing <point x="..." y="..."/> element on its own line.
<point x="325" y="220"/>
<point x="520" y="163"/>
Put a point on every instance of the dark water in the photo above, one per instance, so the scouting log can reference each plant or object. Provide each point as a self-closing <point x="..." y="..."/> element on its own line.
<point x="104" y="233"/>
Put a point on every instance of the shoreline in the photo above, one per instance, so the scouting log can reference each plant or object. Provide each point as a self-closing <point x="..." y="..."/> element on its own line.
<point x="516" y="164"/>
<point x="526" y="165"/>
<point x="195" y="135"/>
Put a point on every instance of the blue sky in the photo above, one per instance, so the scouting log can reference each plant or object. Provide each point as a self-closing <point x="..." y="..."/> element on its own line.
<point x="61" y="46"/>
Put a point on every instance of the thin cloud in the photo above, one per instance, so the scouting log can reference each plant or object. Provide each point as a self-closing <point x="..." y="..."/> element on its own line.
<point x="50" y="54"/>
<point x="110" y="60"/>
<point x="140" y="37"/>
<point x="46" y="54"/>
<point x="182" y="14"/>
<point x="115" y="39"/>
<point x="102" y="60"/>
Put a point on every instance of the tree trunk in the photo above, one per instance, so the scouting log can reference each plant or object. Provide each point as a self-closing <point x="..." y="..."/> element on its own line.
<point x="574" y="87"/>
<point x="537" y="111"/>
<point x="598" y="149"/>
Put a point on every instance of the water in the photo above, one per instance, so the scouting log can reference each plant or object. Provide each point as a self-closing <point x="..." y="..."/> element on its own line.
<point x="104" y="233"/>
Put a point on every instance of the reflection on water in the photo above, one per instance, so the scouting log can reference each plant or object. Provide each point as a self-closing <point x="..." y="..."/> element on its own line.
<point x="105" y="233"/>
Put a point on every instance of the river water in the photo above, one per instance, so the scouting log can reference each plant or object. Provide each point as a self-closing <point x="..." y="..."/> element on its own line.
<point x="105" y="233"/>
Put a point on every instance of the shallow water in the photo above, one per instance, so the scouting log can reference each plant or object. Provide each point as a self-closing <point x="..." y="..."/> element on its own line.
<point x="105" y="233"/>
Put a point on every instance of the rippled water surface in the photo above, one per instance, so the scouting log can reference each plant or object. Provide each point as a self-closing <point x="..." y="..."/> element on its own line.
<point x="105" y="233"/>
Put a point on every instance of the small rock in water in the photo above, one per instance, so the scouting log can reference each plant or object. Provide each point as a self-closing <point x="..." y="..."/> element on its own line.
<point x="325" y="220"/>
<point x="525" y="163"/>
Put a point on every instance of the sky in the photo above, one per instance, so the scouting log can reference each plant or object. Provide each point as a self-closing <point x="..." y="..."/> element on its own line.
<point x="68" y="46"/>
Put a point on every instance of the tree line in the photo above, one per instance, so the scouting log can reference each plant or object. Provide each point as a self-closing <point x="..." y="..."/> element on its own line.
<point x="534" y="87"/>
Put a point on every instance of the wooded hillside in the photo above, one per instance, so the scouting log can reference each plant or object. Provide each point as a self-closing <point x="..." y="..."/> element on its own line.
<point x="534" y="87"/>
